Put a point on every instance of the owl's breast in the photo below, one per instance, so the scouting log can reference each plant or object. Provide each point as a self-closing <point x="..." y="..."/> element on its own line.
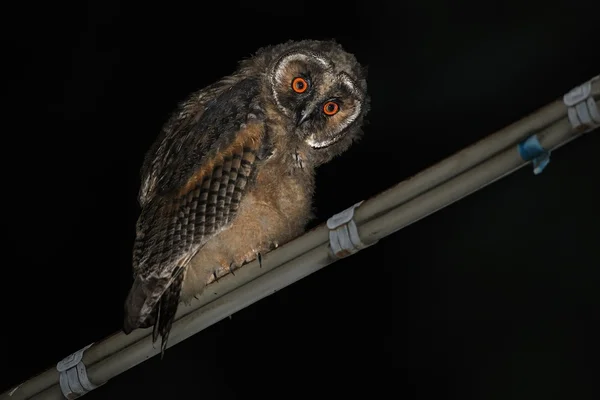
<point x="275" y="210"/>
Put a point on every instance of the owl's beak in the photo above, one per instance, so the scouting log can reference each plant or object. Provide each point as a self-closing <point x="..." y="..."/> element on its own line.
<point x="304" y="114"/>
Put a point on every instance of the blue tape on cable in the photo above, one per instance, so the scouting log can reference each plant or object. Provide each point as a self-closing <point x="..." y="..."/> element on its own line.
<point x="531" y="150"/>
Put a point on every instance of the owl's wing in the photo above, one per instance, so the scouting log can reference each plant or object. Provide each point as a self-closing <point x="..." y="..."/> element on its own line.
<point x="174" y="135"/>
<point x="196" y="195"/>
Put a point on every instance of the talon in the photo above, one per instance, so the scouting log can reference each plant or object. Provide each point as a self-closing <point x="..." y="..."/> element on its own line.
<point x="215" y="275"/>
<point x="259" y="260"/>
<point x="231" y="268"/>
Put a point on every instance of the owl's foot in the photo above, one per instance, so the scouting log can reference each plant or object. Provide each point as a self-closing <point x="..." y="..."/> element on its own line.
<point x="232" y="268"/>
<point x="271" y="247"/>
<point x="214" y="274"/>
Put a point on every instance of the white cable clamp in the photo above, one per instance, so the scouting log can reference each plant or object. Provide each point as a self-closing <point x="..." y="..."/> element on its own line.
<point x="582" y="109"/>
<point x="343" y="233"/>
<point x="73" y="377"/>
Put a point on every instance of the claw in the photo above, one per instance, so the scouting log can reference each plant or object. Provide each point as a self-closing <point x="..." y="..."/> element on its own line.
<point x="259" y="260"/>
<point x="231" y="268"/>
<point x="215" y="275"/>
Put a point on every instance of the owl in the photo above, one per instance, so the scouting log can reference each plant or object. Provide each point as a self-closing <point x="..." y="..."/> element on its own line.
<point x="231" y="175"/>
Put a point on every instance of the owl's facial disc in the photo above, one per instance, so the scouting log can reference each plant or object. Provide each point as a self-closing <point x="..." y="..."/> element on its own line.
<point x="294" y="77"/>
<point x="321" y="100"/>
<point x="325" y="117"/>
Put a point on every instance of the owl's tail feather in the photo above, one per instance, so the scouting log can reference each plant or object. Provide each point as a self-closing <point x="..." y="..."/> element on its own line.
<point x="162" y="315"/>
<point x="136" y="299"/>
<point x="165" y="312"/>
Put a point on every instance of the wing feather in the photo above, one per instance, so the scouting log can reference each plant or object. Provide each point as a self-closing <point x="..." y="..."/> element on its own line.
<point x="174" y="137"/>
<point x="191" y="195"/>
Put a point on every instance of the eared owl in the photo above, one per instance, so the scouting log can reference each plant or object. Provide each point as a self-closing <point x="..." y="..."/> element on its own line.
<point x="232" y="173"/>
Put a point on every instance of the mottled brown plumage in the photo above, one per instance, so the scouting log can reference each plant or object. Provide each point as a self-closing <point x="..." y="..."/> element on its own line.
<point x="232" y="173"/>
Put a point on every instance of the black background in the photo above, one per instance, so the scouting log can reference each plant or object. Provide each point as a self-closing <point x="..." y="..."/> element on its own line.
<point x="494" y="297"/>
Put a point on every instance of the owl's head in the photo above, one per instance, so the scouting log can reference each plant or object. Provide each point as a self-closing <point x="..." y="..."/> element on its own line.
<point x="323" y="91"/>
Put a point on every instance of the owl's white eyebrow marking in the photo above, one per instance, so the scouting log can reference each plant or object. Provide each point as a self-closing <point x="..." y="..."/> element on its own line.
<point x="348" y="82"/>
<point x="298" y="57"/>
<point x="322" y="61"/>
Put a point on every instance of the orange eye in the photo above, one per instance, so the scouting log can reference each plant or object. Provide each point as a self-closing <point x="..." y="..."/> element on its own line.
<point x="331" y="108"/>
<point x="299" y="85"/>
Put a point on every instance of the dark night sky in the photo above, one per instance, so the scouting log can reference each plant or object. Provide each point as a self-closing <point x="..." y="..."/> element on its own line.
<point x="493" y="297"/>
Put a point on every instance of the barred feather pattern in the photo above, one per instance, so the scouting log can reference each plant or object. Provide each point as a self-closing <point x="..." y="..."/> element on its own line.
<point x="192" y="192"/>
<point x="183" y="225"/>
<point x="177" y="135"/>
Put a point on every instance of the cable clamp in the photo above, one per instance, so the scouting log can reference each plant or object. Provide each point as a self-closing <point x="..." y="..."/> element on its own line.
<point x="582" y="108"/>
<point x="73" y="377"/>
<point x="531" y="149"/>
<point x="343" y="233"/>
